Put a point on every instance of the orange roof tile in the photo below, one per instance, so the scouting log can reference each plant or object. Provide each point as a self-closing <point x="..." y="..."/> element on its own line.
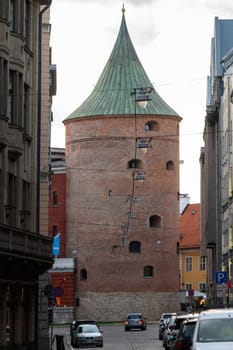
<point x="190" y="226"/>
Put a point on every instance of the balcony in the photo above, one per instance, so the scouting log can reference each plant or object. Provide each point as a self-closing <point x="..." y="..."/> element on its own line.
<point x="23" y="254"/>
<point x="15" y="142"/>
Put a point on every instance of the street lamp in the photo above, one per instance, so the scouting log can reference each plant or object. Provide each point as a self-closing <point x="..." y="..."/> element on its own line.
<point x="142" y="95"/>
<point x="143" y="143"/>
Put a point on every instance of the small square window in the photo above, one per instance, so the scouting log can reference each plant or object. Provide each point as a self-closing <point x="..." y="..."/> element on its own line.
<point x="55" y="198"/>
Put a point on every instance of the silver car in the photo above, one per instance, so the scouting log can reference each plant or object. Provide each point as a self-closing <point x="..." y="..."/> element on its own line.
<point x="88" y="334"/>
<point x="135" y="321"/>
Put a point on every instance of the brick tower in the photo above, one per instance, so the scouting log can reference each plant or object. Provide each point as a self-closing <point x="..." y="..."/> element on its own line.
<point x="122" y="202"/>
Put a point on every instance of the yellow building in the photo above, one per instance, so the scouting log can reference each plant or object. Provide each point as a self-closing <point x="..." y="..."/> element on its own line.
<point x="192" y="264"/>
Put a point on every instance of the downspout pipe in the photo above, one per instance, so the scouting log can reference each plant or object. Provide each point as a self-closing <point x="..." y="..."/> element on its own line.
<point x="45" y="8"/>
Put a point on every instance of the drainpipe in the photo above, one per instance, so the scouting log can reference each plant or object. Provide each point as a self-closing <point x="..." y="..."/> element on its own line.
<point x="39" y="113"/>
<point x="45" y="8"/>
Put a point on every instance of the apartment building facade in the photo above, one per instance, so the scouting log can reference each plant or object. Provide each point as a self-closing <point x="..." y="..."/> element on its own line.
<point x="216" y="167"/>
<point x="192" y="263"/>
<point x="25" y="251"/>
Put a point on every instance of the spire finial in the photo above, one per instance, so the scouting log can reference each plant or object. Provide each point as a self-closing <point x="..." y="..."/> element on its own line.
<point x="123" y="8"/>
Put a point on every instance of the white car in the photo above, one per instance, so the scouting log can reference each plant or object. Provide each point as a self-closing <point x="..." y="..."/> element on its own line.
<point x="87" y="335"/>
<point x="214" y="330"/>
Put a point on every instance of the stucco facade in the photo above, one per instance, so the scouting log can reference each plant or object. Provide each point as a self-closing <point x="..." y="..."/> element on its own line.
<point x="25" y="252"/>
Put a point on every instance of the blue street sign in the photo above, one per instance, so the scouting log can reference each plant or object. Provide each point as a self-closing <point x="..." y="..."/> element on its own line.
<point x="56" y="245"/>
<point x="221" y="277"/>
<point x="58" y="291"/>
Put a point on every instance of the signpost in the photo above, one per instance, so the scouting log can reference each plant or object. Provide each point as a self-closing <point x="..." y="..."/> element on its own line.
<point x="222" y="290"/>
<point x="221" y="277"/>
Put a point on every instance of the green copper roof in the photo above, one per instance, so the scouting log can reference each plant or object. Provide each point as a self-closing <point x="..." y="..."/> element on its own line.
<point x="121" y="75"/>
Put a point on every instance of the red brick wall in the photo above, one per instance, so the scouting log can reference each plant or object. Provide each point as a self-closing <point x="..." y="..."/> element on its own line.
<point x="97" y="154"/>
<point x="66" y="281"/>
<point x="57" y="213"/>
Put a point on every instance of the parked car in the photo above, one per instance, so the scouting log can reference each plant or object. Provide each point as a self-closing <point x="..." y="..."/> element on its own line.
<point x="87" y="335"/>
<point x="166" y="316"/>
<point x="173" y="327"/>
<point x="135" y="321"/>
<point x="183" y="340"/>
<point x="164" y="319"/>
<point x="214" y="330"/>
<point x="74" y="325"/>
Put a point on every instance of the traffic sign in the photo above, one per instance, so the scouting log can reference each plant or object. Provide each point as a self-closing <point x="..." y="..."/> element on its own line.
<point x="221" y="277"/>
<point x="58" y="291"/>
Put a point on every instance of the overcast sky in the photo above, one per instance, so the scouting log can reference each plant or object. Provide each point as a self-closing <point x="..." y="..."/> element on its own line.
<point x="172" y="39"/>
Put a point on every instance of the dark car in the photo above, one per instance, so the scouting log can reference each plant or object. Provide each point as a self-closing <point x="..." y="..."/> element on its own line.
<point x="74" y="325"/>
<point x="173" y="327"/>
<point x="183" y="340"/>
<point x="135" y="321"/>
<point x="87" y="335"/>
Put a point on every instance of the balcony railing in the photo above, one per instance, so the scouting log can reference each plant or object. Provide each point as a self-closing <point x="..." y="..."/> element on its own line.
<point x="26" y="244"/>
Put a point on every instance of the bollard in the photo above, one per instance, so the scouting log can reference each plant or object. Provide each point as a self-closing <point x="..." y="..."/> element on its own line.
<point x="59" y="342"/>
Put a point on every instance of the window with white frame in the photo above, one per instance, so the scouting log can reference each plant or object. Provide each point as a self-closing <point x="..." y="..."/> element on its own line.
<point x="202" y="263"/>
<point x="189" y="263"/>
<point x="202" y="287"/>
<point x="188" y="286"/>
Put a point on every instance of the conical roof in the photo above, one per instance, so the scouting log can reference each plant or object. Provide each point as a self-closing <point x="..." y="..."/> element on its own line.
<point x="122" y="74"/>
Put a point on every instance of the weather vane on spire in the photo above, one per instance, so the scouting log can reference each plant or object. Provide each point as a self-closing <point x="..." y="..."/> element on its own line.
<point x="123" y="8"/>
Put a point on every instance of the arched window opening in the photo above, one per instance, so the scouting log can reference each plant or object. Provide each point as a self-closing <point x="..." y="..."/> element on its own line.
<point x="83" y="275"/>
<point x="148" y="271"/>
<point x="135" y="247"/>
<point x="135" y="164"/>
<point x="170" y="165"/>
<point x="155" y="221"/>
<point x="152" y="126"/>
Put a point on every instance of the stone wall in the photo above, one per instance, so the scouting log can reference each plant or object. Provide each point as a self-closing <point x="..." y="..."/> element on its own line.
<point x="115" y="306"/>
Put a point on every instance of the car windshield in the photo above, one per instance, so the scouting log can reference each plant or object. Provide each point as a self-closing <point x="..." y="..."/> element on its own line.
<point x="215" y="330"/>
<point x="134" y="317"/>
<point x="171" y="321"/>
<point x="87" y="328"/>
<point x="188" y="330"/>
